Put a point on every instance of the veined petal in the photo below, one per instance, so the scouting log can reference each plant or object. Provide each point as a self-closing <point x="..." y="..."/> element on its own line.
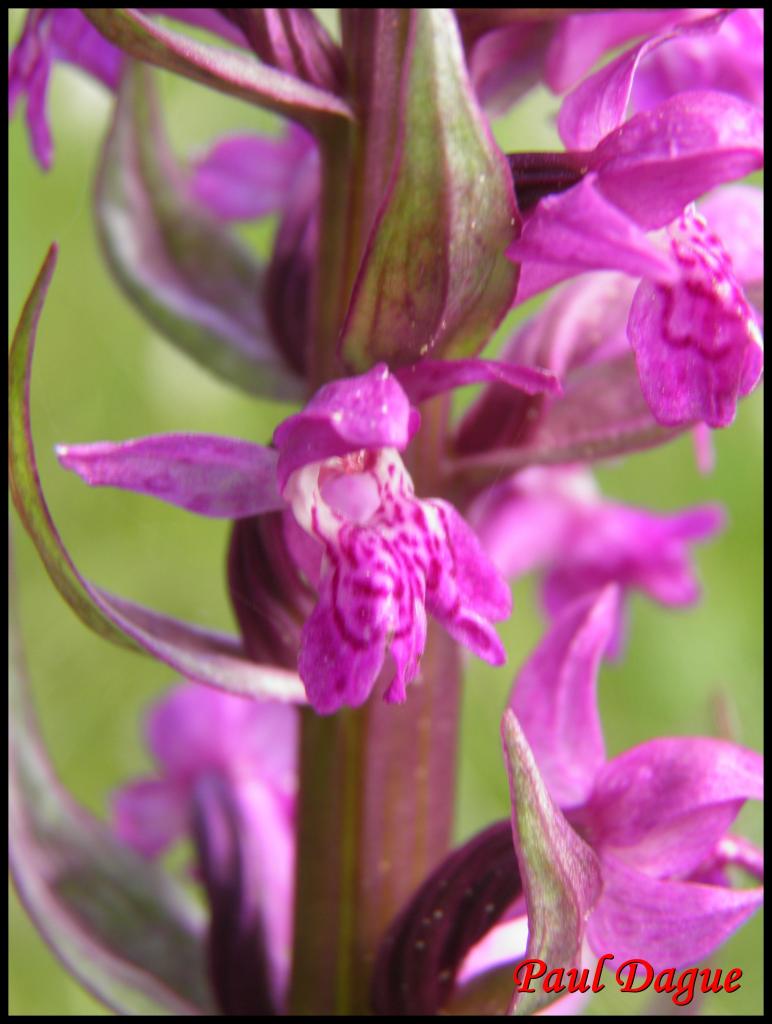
<point x="338" y="666"/>
<point x="669" y="924"/>
<point x="663" y="806"/>
<point x="219" y="477"/>
<point x="479" y="582"/>
<point x="697" y="342"/>
<point x="555" y="699"/>
<point x="388" y="559"/>
<point x="344" y="416"/>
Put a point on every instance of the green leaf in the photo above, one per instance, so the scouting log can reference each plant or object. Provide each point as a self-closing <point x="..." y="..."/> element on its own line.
<point x="127" y="932"/>
<point x="237" y="74"/>
<point x="198" y="654"/>
<point x="26" y="491"/>
<point x="185" y="271"/>
<point x="561" y="873"/>
<point x="434" y="278"/>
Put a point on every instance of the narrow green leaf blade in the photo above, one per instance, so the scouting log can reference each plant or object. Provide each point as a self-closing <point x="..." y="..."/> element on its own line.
<point x="561" y="873"/>
<point x="237" y="74"/>
<point x="26" y="491"/>
<point x="198" y="654"/>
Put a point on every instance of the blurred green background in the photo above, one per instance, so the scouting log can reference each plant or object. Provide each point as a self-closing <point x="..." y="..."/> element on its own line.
<point x="102" y="373"/>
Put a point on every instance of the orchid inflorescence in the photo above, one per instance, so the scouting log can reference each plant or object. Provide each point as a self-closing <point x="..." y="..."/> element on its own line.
<point x="310" y="760"/>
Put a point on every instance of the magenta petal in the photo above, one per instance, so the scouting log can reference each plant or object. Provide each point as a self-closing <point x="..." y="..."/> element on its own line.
<point x="555" y="699"/>
<point x="51" y="34"/>
<point x="733" y="63"/>
<point x="406" y="650"/>
<point x="528" y="520"/>
<point x="270" y="846"/>
<point x="662" y="159"/>
<point x="479" y="582"/>
<point x="431" y="377"/>
<point x="337" y="669"/>
<point x="735" y="214"/>
<point x="475" y="633"/>
<point x="663" y="806"/>
<point x="29" y="67"/>
<point x="149" y="815"/>
<point x="219" y="477"/>
<point x="697" y="343"/>
<point x="506" y="62"/>
<point x="670" y="924"/>
<point x="581" y="39"/>
<point x="243" y="177"/>
<point x="187" y="734"/>
<point x="76" y="41"/>
<point x="635" y="548"/>
<point x="599" y="104"/>
<point x="371" y="411"/>
<point x="578" y="230"/>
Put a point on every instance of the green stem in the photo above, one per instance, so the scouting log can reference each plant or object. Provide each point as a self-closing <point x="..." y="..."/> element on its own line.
<point x="332" y="282"/>
<point x="375" y="816"/>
